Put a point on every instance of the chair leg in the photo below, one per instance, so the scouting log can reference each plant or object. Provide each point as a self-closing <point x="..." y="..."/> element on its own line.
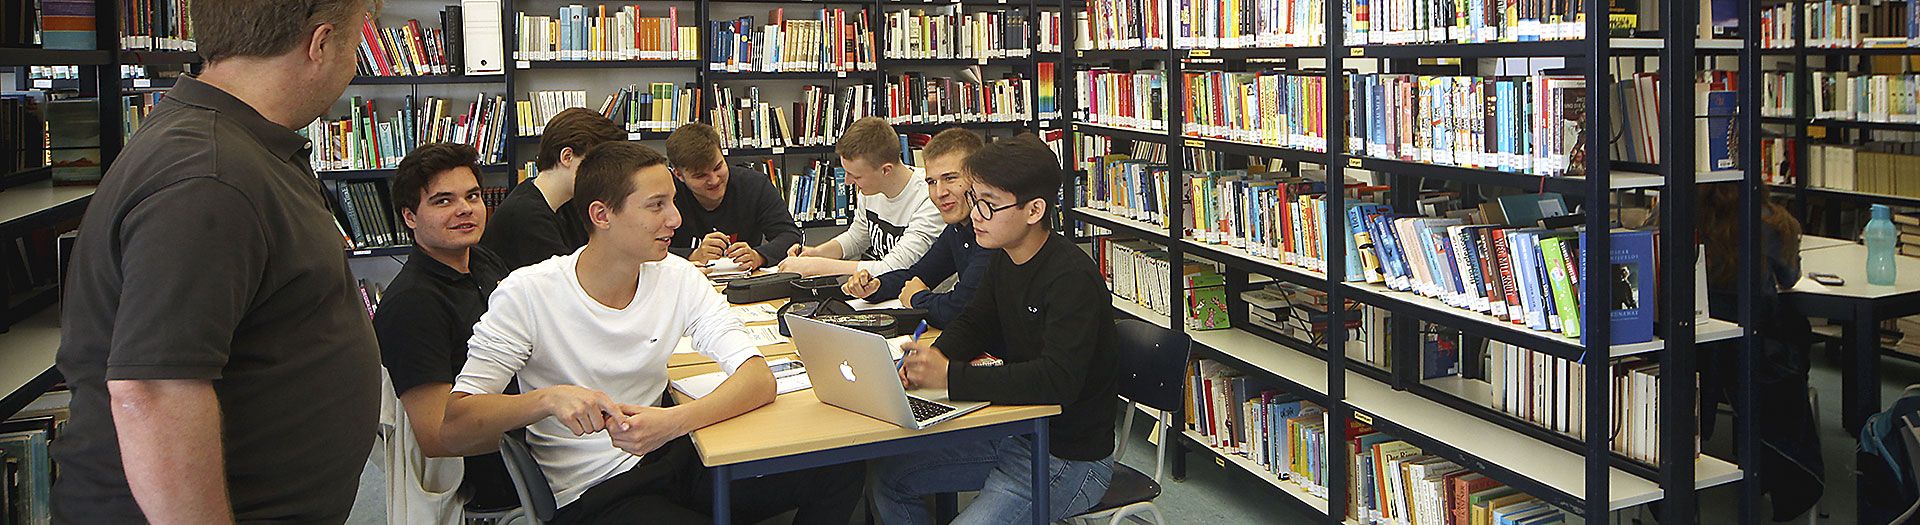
<point x="1126" y="431"/>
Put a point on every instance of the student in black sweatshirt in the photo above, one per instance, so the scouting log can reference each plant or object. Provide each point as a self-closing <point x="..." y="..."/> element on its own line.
<point x="1047" y="307"/>
<point x="728" y="212"/>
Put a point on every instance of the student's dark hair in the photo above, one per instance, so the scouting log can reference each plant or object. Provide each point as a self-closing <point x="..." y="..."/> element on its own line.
<point x="265" y="28"/>
<point x="1719" y="230"/>
<point x="1021" y="165"/>
<point x="577" y="128"/>
<point x="695" y="146"/>
<point x="607" y="175"/>
<point x="415" y="171"/>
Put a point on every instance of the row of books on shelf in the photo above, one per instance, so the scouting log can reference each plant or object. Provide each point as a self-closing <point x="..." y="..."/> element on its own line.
<point x="367" y="139"/>
<point x="1217" y="24"/>
<point x="915" y="98"/>
<point x="1551" y="392"/>
<point x="159" y="25"/>
<point x="1878" y="167"/>
<point x="367" y="216"/>
<point x="1390" y="481"/>
<point x="1126" y="99"/>
<point x="578" y="32"/>
<point x="819" y="191"/>
<point x="745" y="120"/>
<point x="837" y="40"/>
<point x="412" y="48"/>
<point x="1501" y="266"/>
<point x="950" y="33"/>
<point x="1049" y="39"/>
<point x="1300" y="313"/>
<point x="1778" y="161"/>
<point x="1842" y="24"/>
<point x="1842" y="95"/>
<point x="134" y="109"/>
<point x="659" y="106"/>
<point x="27" y="469"/>
<point x="1268" y="108"/>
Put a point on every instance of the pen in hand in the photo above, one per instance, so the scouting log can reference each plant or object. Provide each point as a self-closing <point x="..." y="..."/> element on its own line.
<point x="917" y="331"/>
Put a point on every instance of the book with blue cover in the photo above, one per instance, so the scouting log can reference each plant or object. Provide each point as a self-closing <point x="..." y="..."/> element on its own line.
<point x="1630" y="310"/>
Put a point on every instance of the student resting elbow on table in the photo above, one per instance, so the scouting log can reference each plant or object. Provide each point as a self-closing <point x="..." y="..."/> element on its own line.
<point x="893" y="222"/>
<point x="587" y="335"/>
<point x="955" y="251"/>
<point x="1048" y="307"/>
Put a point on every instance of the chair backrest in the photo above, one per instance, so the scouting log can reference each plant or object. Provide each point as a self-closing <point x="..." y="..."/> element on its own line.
<point x="528" y="481"/>
<point x="1153" y="363"/>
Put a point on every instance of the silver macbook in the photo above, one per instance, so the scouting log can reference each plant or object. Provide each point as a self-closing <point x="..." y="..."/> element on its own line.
<point x="854" y="370"/>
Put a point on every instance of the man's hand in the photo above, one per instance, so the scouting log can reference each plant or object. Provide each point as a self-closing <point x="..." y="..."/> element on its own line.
<point x="913" y="287"/>
<point x="583" y="410"/>
<point x="861" y="285"/>
<point x="923" y="367"/>
<point x="746" y="256"/>
<point x="642" y="429"/>
<point x="711" y="247"/>
<point x="799" y="250"/>
<point x="807" y="265"/>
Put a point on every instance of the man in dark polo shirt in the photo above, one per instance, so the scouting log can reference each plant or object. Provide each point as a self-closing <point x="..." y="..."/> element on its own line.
<point x="223" y="368"/>
<point x="427" y="314"/>
<point x="537" y="220"/>
<point x="728" y="212"/>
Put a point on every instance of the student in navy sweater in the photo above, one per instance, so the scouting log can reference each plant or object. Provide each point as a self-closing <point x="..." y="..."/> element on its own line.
<point x="1048" y="309"/>
<point x="953" y="252"/>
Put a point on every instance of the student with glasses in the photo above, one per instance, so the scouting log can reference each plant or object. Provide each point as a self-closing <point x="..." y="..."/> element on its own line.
<point x="1047" y="308"/>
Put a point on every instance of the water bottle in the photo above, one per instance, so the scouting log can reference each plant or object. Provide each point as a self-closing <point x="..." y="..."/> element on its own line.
<point x="1880" y="236"/>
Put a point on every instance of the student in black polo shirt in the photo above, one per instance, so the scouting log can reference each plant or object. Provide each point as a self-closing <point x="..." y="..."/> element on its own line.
<point x="537" y="220"/>
<point x="1047" y="307"/>
<point x="727" y="212"/>
<point x="427" y="314"/>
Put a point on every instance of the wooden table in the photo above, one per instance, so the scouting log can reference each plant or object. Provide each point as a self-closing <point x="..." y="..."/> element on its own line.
<point x="798" y="431"/>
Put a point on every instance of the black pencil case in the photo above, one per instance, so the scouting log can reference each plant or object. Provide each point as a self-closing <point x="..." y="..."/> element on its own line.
<point x="761" y="288"/>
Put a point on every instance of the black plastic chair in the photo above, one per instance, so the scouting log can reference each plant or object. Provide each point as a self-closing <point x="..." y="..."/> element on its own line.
<point x="1153" y="366"/>
<point x="528" y="481"/>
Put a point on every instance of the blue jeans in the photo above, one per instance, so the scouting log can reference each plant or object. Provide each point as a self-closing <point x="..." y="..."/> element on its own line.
<point x="1001" y="470"/>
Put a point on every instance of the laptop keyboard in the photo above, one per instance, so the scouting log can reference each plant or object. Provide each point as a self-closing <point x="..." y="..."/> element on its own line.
<point x="924" y="410"/>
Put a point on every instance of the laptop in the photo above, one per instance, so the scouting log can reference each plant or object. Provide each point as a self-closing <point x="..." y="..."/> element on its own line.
<point x="854" y="370"/>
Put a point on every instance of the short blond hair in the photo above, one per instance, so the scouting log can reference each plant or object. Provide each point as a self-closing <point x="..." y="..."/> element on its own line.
<point x="952" y="141"/>
<point x="871" y="139"/>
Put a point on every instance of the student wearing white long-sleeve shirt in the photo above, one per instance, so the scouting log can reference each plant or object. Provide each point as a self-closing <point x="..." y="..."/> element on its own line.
<point x="588" y="336"/>
<point x="893" y="221"/>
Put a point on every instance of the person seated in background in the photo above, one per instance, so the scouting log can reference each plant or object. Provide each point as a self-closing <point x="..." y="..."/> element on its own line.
<point x="537" y="220"/>
<point x="1049" y="310"/>
<point x="953" y="252"/>
<point x="428" y="311"/>
<point x="893" y="222"/>
<point x="587" y="335"/>
<point x="727" y="212"/>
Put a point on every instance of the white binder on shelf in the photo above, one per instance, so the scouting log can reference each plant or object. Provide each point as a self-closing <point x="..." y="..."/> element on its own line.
<point x="480" y="21"/>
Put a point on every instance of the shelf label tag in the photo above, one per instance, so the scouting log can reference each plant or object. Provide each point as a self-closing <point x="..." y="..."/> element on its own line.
<point x="43" y="83"/>
<point x="1191" y="143"/>
<point x="1200" y="53"/>
<point x="840" y="74"/>
<point x="1356" y="51"/>
<point x="1353" y="162"/>
<point x="522" y="64"/>
<point x="142" y="82"/>
<point x="1363" y="417"/>
<point x="778" y="150"/>
<point x="635" y="136"/>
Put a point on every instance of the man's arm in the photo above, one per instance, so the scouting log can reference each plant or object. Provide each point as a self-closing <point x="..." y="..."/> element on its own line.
<point x="195" y="242"/>
<point x="501" y="344"/>
<point x="945" y="307"/>
<point x="426" y="407"/>
<point x="933" y="268"/>
<point x="170" y="444"/>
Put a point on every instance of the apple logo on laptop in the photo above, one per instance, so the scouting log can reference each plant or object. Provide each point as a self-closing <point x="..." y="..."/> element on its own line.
<point x="846" y="371"/>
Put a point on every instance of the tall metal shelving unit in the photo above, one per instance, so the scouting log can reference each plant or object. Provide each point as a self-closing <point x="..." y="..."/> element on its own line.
<point x="1581" y="476"/>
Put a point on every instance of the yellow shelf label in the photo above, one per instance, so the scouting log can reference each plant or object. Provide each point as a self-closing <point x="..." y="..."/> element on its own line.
<point x="1200" y="53"/>
<point x="1356" y="51"/>
<point x="1195" y="144"/>
<point x="1353" y="162"/>
<point x="1363" y="417"/>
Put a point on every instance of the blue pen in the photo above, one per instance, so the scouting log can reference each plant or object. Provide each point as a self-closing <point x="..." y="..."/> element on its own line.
<point x="916" y="338"/>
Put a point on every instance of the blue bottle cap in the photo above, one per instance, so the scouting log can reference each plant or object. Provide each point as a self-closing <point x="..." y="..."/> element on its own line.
<point x="1881" y="211"/>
